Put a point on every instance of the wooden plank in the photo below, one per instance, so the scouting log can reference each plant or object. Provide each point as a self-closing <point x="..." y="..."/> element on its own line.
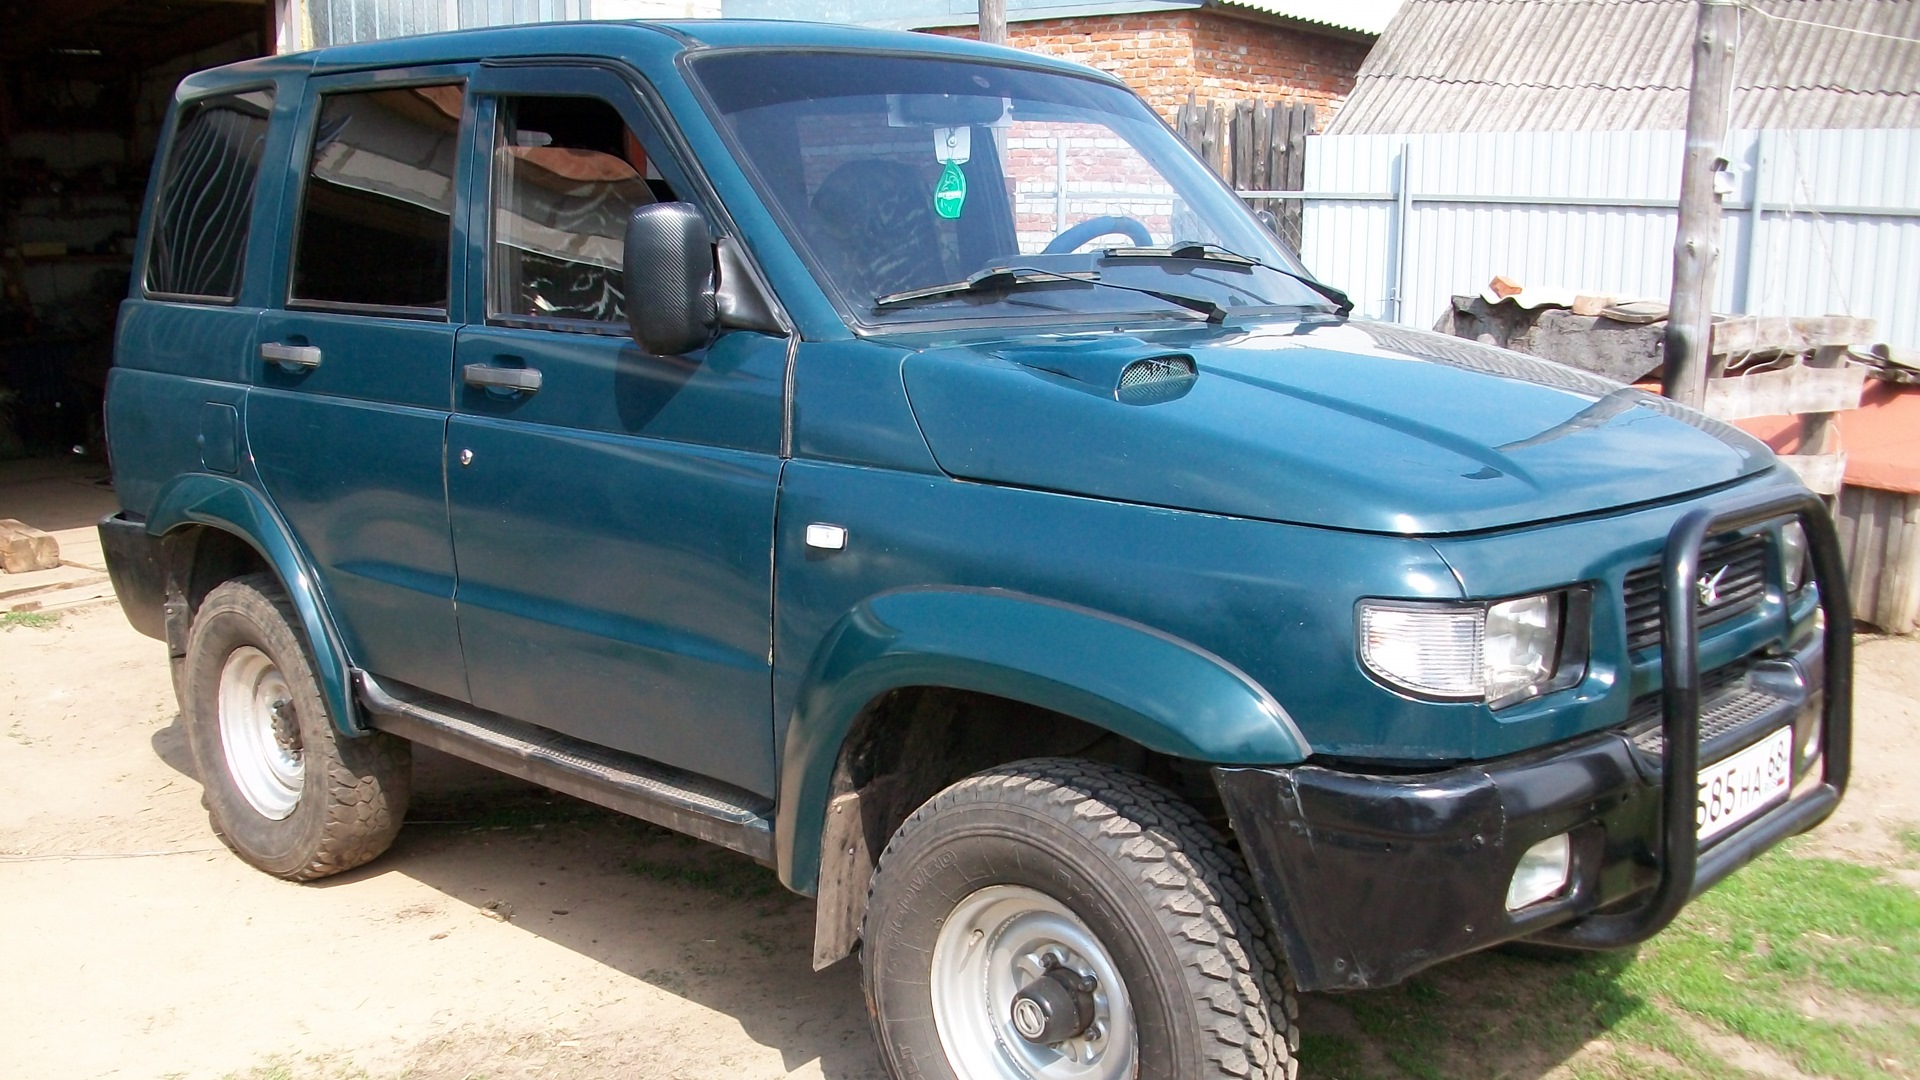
<point x="1886" y="586"/>
<point x="1260" y="153"/>
<point x="1818" y="431"/>
<point x="1787" y="392"/>
<point x="1862" y="579"/>
<point x="1822" y="473"/>
<point x="1186" y="120"/>
<point x="1752" y="334"/>
<point x="25" y="549"/>
<point x="1242" y="145"/>
<point x="1882" y="540"/>
<point x="1300" y="119"/>
<point x="1873" y="551"/>
<point x="1843" y="521"/>
<point x="1900" y="591"/>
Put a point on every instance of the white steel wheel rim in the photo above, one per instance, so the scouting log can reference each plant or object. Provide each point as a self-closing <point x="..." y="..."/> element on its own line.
<point x="260" y="734"/>
<point x="991" y="946"/>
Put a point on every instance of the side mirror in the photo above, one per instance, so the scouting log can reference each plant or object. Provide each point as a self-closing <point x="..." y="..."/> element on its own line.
<point x="668" y="269"/>
<point x="1265" y="217"/>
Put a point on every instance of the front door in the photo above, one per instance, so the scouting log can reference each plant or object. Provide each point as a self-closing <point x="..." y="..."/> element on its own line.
<point x="612" y="511"/>
<point x="347" y="419"/>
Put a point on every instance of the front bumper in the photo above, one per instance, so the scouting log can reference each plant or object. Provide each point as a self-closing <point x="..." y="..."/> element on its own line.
<point x="1370" y="878"/>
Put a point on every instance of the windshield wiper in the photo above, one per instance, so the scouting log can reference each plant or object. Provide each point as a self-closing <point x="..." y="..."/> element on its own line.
<point x="1008" y="278"/>
<point x="1214" y="253"/>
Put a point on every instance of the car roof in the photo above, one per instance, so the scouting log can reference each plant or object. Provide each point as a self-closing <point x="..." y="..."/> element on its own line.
<point x="620" y="39"/>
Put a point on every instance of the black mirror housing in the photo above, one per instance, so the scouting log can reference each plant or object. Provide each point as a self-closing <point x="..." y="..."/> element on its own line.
<point x="669" y="275"/>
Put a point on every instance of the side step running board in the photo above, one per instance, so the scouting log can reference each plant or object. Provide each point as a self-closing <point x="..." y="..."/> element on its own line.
<point x="632" y="785"/>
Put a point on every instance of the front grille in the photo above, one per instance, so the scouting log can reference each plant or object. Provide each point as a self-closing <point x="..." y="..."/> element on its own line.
<point x="1741" y="588"/>
<point x="1727" y="703"/>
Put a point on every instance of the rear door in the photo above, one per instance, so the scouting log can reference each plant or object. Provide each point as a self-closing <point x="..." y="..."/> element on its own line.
<point x="353" y="381"/>
<point x="613" y="517"/>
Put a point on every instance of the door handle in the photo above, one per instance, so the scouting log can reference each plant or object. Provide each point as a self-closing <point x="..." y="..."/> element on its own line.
<point x="502" y="378"/>
<point x="290" y="356"/>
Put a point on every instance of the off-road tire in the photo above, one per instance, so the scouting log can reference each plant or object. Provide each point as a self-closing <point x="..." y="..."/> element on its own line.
<point x="1139" y="866"/>
<point x="353" y="793"/>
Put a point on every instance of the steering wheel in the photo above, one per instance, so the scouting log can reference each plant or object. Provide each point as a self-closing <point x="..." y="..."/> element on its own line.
<point x="1073" y="237"/>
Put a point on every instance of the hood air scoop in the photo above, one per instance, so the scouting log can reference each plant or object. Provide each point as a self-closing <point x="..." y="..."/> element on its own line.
<point x="1125" y="369"/>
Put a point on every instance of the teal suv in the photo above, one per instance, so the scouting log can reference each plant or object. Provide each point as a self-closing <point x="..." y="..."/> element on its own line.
<point x="902" y="462"/>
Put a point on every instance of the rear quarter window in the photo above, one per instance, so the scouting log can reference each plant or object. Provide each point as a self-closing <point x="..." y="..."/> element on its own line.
<point x="203" y="205"/>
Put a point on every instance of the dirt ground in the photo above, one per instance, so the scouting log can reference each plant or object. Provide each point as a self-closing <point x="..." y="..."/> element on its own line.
<point x="508" y="933"/>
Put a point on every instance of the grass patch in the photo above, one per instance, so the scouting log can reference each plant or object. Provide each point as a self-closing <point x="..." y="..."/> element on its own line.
<point x="32" y="620"/>
<point x="1332" y="1057"/>
<point x="1910" y="839"/>
<point x="1809" y="962"/>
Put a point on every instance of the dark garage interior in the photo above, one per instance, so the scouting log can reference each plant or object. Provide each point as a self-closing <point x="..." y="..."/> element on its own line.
<point x="84" y="86"/>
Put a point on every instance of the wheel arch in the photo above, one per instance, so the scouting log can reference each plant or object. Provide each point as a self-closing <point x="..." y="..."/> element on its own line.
<point x="1058" y="663"/>
<point x="196" y="510"/>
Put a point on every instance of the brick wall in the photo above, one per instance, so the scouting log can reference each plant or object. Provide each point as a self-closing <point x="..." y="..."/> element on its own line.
<point x="1164" y="57"/>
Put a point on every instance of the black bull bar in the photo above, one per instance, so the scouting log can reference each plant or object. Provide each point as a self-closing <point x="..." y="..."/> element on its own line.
<point x="1684" y="871"/>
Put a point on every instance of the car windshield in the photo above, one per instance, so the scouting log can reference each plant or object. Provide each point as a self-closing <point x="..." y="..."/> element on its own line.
<point x="892" y="174"/>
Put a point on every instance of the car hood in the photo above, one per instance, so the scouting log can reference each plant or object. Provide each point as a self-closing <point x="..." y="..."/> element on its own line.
<point x="1352" y="425"/>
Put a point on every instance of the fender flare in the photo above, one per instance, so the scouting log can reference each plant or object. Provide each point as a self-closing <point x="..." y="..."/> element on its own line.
<point x="230" y="506"/>
<point x="1166" y="694"/>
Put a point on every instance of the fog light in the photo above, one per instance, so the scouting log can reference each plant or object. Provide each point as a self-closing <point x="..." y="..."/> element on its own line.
<point x="1542" y="872"/>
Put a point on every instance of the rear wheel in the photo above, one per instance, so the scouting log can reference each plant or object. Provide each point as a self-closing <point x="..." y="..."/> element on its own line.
<point x="284" y="789"/>
<point x="1069" y="921"/>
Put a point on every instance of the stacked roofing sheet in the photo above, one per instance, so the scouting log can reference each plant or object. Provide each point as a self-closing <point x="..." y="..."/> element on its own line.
<point x="1581" y="65"/>
<point x="1361" y="16"/>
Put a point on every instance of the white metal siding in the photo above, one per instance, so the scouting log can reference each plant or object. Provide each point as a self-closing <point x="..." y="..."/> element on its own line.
<point x="1839" y="233"/>
<point x="338" y="22"/>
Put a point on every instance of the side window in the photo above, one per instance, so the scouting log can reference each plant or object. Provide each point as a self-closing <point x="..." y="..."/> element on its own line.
<point x="204" y="201"/>
<point x="376" y="220"/>
<point x="567" y="173"/>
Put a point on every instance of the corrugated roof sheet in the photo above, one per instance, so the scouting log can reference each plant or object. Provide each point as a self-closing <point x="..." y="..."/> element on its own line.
<point x="1362" y="16"/>
<point x="1573" y="65"/>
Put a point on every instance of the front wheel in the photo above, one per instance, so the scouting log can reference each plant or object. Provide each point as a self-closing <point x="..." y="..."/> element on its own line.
<point x="1063" y="920"/>
<point x="285" y="790"/>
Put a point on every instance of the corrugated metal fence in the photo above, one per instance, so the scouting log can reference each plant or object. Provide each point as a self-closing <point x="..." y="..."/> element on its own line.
<point x="1817" y="222"/>
<point x="338" y="22"/>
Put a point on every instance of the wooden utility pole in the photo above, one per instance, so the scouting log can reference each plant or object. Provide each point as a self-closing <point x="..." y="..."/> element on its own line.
<point x="1696" y="247"/>
<point x="993" y="21"/>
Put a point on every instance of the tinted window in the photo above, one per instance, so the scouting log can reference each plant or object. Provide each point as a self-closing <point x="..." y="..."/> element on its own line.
<point x="205" y="197"/>
<point x="567" y="173"/>
<point x="375" y="223"/>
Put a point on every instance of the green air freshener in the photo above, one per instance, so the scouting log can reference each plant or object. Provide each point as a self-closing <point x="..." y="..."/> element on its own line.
<point x="950" y="194"/>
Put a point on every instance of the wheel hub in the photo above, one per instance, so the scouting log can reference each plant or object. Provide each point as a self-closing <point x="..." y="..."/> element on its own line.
<point x="1055" y="1007"/>
<point x="1022" y="989"/>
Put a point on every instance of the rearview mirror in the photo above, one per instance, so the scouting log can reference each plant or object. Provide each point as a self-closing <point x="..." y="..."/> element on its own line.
<point x="668" y="268"/>
<point x="946" y="110"/>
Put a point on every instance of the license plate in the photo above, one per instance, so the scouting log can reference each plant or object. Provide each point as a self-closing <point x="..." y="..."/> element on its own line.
<point x="1739" y="787"/>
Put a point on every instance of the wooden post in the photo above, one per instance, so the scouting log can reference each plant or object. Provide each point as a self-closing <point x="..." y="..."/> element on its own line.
<point x="1819" y="434"/>
<point x="1696" y="245"/>
<point x="993" y="21"/>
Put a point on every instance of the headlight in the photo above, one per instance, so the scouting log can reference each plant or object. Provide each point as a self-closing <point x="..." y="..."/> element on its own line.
<point x="1500" y="652"/>
<point x="1793" y="555"/>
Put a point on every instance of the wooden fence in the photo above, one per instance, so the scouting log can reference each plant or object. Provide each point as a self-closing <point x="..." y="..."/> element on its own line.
<point x="1257" y="147"/>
